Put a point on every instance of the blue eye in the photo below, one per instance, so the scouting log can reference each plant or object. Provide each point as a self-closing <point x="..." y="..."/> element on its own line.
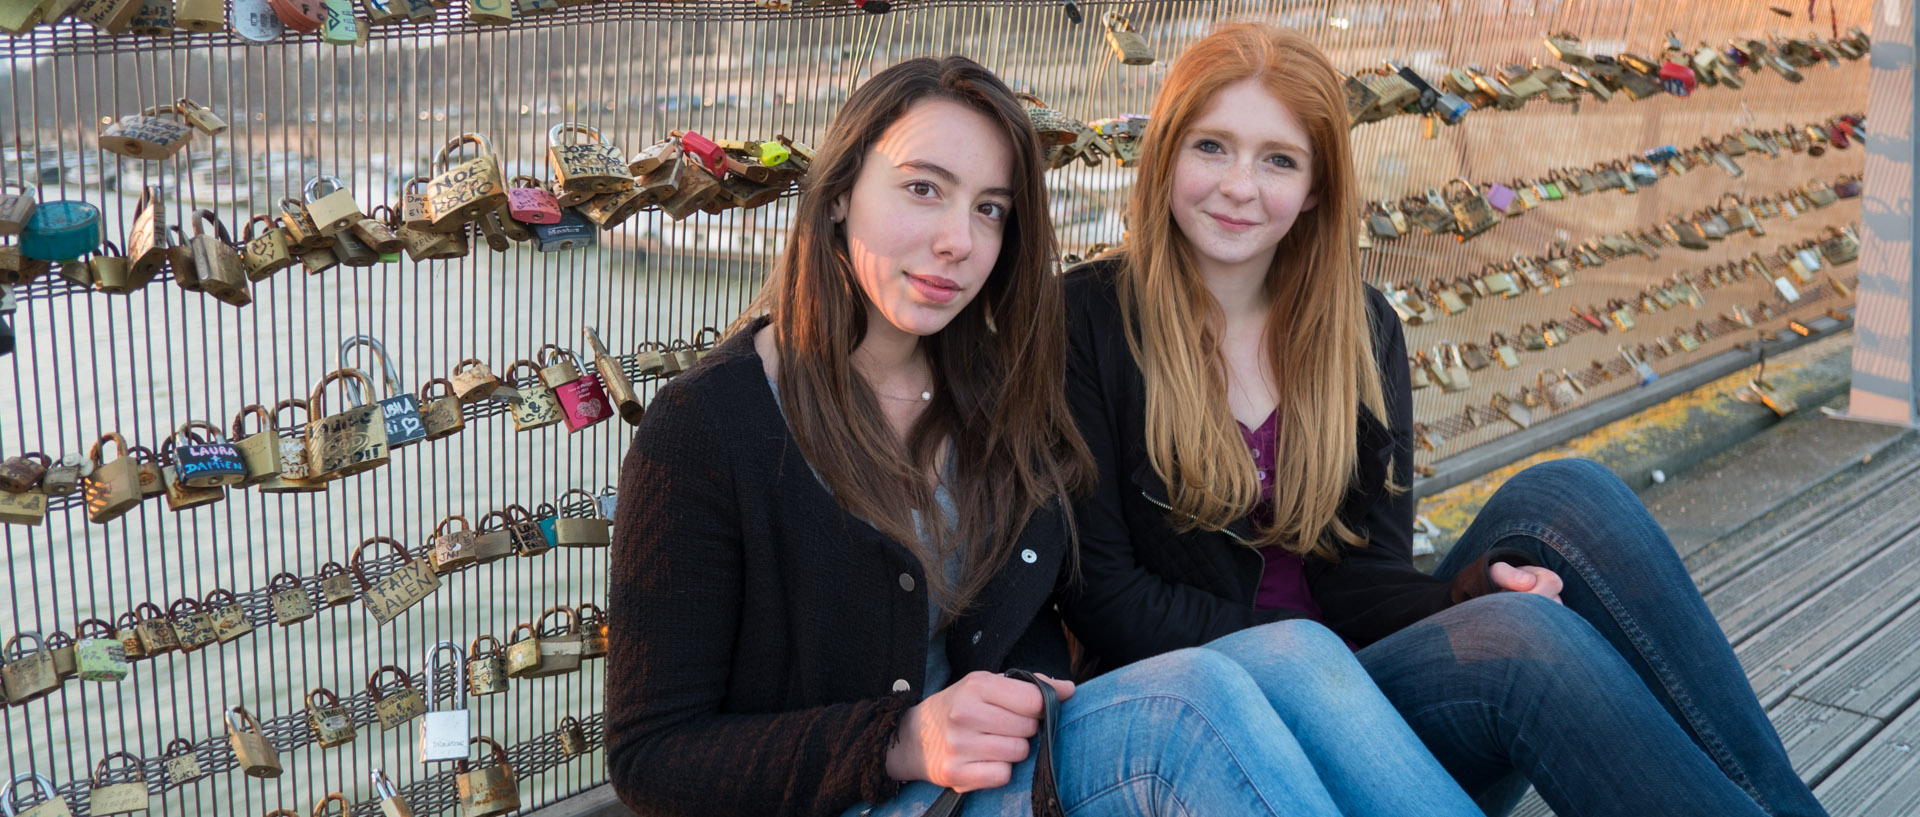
<point x="1284" y="160"/>
<point x="1208" y="146"/>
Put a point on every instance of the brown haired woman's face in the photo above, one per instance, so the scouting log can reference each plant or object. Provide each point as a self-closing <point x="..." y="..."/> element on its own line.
<point x="1242" y="173"/>
<point x="924" y="220"/>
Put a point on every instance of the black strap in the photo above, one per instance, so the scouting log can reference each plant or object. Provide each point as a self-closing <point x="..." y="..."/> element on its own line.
<point x="1046" y="785"/>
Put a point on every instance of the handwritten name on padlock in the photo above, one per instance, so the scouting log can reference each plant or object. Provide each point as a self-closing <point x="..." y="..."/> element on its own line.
<point x="387" y="598"/>
<point x="149" y="129"/>
<point x="402" y="419"/>
<point x="470" y="181"/>
<point x="215" y="457"/>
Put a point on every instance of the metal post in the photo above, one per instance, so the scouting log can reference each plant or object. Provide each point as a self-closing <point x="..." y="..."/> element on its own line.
<point x="1886" y="352"/>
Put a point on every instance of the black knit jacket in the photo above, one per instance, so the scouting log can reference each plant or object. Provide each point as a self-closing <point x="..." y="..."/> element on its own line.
<point x="764" y="642"/>
<point x="1146" y="589"/>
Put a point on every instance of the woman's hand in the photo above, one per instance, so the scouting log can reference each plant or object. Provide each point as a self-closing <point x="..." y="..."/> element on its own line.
<point x="969" y="735"/>
<point x="1536" y="580"/>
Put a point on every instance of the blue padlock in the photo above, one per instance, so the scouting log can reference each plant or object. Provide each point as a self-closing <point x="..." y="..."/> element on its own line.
<point x="1662" y="153"/>
<point x="61" y="231"/>
<point x="549" y="517"/>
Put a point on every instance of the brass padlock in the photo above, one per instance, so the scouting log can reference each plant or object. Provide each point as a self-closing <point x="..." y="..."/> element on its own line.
<point x="192" y="624"/>
<point x="442" y="416"/>
<point x="650" y="357"/>
<point x="331" y="723"/>
<point x="399" y="410"/>
<point x="266" y="253"/>
<point x="289" y="599"/>
<point x="222" y="273"/>
<point x="528" y="539"/>
<point x="52" y="803"/>
<point x="111" y="16"/>
<point x="147" y="135"/>
<point x="64" y="475"/>
<point x="653" y="156"/>
<point x="661" y="181"/>
<point x="455" y="549"/>
<point x="148" y="243"/>
<point x="613" y="376"/>
<point x="28" y="672"/>
<point x="296" y="474"/>
<point x="333" y="211"/>
<point x="593" y="630"/>
<point x="106" y="797"/>
<point x="1518" y="414"/>
<point x="413" y="205"/>
<point x="255" y="754"/>
<point x="303" y="235"/>
<point x="375" y="231"/>
<point x="98" y="654"/>
<point x="22" y="507"/>
<point x="582" y="171"/>
<point x="157" y="634"/>
<point x="486" y="666"/>
<point x="683" y="354"/>
<point x="523" y="655"/>
<point x="1127" y="44"/>
<point x="572" y="738"/>
<point x="391" y="803"/>
<point x="560" y="646"/>
<point x="488" y="789"/>
<point x="473" y="381"/>
<point x="458" y="194"/>
<point x="410" y="583"/>
<point x="15" y="208"/>
<point x="394" y="710"/>
<point x="1472" y="213"/>
<point x="126" y="630"/>
<point x="536" y="406"/>
<point x="65" y="666"/>
<point x="202" y="16"/>
<point x="495" y="540"/>
<point x="18" y="269"/>
<point x="697" y="187"/>
<point x="109" y="269"/>
<point x="351" y="442"/>
<point x="230" y="621"/>
<point x="336" y="585"/>
<point x="259" y="451"/>
<point x="112" y="488"/>
<point x="182" y="764"/>
<point x="591" y="531"/>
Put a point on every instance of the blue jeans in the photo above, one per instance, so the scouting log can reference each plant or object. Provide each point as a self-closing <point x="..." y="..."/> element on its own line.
<point x="1626" y="701"/>
<point x="1193" y="732"/>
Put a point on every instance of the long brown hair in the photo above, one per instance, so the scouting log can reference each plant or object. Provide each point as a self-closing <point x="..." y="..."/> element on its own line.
<point x="1318" y="335"/>
<point x="998" y="366"/>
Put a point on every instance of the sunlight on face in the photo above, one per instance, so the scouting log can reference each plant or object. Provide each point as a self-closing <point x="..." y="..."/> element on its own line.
<point x="1242" y="174"/>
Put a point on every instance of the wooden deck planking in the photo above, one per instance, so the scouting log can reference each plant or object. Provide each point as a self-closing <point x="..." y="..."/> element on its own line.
<point x="1819" y="629"/>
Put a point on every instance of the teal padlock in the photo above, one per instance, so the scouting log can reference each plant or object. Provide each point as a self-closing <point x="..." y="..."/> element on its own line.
<point x="549" y="517"/>
<point x="61" y="231"/>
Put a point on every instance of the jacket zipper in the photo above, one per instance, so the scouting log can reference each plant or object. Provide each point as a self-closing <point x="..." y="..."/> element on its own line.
<point x="1230" y="534"/>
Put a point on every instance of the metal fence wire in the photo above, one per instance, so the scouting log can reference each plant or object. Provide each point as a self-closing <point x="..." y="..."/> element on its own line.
<point x="144" y="364"/>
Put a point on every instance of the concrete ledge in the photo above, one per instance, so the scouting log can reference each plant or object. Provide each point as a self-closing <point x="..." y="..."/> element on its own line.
<point x="599" y="801"/>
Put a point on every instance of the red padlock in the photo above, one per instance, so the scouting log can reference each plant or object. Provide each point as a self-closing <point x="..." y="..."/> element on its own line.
<point x="1678" y="79"/>
<point x="582" y="400"/>
<point x="709" y="154"/>
<point x="530" y="203"/>
<point x="304" y="16"/>
<point x="1838" y="135"/>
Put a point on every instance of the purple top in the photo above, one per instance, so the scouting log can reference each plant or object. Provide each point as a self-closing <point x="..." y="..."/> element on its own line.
<point x="1284" y="584"/>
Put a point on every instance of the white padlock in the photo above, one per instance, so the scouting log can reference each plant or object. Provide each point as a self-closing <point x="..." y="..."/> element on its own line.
<point x="444" y="734"/>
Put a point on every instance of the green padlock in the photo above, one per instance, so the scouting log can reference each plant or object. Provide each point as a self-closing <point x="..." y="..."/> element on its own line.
<point x="61" y="231"/>
<point x="100" y="656"/>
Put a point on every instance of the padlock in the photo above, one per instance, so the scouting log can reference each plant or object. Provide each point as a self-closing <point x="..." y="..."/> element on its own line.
<point x="304" y="16"/>
<point x="593" y="630"/>
<point x="157" y="633"/>
<point x="653" y="157"/>
<point x="201" y="16"/>
<point x="336" y="585"/>
<point x="61" y="646"/>
<point x="112" y="488"/>
<point x="22" y="507"/>
<point x="660" y="181"/>
<point x="64" y="475"/>
<point x="610" y="210"/>
<point x="259" y="452"/>
<point x="98" y="654"/>
<point x="1759" y="391"/>
<point x="52" y="803"/>
<point x="303" y="236"/>
<point x="609" y="501"/>
<point x="222" y="272"/>
<point x="458" y="194"/>
<point x="488" y="789"/>
<point x="1472" y="213"/>
<point x="148" y="135"/>
<point x="255" y="21"/>
<point x="683" y="354"/>
<point x="16" y="269"/>
<point x="1127" y="44"/>
<point x="351" y="442"/>
<point x="1475" y="357"/>
<point x="331" y="722"/>
<point x="560" y="646"/>
<point x="697" y="188"/>
<point x="351" y="251"/>
<point x="126" y="630"/>
<point x="582" y="401"/>
<point x="473" y="381"/>
<point x="106" y="797"/>
<point x="1453" y="373"/>
<point x="396" y="709"/>
<point x="650" y="357"/>
<point x="375" y="230"/>
<point x="488" y="224"/>
<point x="424" y="245"/>
<point x="58" y="231"/>
<point x="111" y="16"/>
<point x="108" y="270"/>
<point x="319" y="260"/>
<point x="523" y="655"/>
<point x="186" y="275"/>
<point x="529" y="539"/>
<point x="490" y="12"/>
<point x="340" y="26"/>
<point x="536" y="406"/>
<point x="181" y="763"/>
<point x="1561" y="390"/>
<point x="486" y="666"/>
<point x="454" y="549"/>
<point x="28" y="670"/>
<point x="1641" y="368"/>
<point x="295" y="476"/>
<point x="572" y="232"/>
<point x="251" y="748"/>
<point x="399" y="410"/>
<point x="16" y="209"/>
<point x="572" y="738"/>
<point x="289" y="599"/>
<point x="619" y="387"/>
<point x="391" y="803"/>
<point x="444" y="733"/>
<point x="191" y="624"/>
<point x="582" y="171"/>
<point x="494" y="540"/>
<point x="332" y="798"/>
<point x="441" y="416"/>
<point x="332" y="211"/>
<point x="1505" y="407"/>
<point x="529" y="202"/>
<point x="230" y="621"/>
<point x="409" y="584"/>
<point x="24" y="472"/>
<point x="591" y="531"/>
<point x="205" y="462"/>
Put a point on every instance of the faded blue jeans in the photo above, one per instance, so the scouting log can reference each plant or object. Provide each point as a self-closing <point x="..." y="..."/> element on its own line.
<point x="1275" y="720"/>
<point x="1627" y="701"/>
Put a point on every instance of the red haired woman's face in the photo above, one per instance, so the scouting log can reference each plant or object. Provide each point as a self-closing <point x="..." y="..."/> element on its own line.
<point x="1242" y="173"/>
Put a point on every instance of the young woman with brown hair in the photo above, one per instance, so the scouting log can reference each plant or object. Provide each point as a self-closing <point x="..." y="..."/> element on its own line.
<point x="839" y="528"/>
<point x="1247" y="403"/>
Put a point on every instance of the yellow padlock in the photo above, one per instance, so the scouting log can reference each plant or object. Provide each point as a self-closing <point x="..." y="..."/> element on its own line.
<point x="334" y="211"/>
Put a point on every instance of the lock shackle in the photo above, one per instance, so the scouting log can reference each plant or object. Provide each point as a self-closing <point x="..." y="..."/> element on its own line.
<point x="391" y="371"/>
<point x="282" y="812"/>
<point x="474" y="650"/>
<point x="573" y="621"/>
<point x="31" y="191"/>
<point x="553" y="133"/>
<point x="320" y="808"/>
<point x="93" y="453"/>
<point x="373" y="681"/>
<point x="246" y="233"/>
<point x="544" y="510"/>
<point x="58" y="640"/>
<point x="526" y="182"/>
<point x="45" y="461"/>
<point x="459" y="673"/>
<point x="593" y="504"/>
<point x="440" y="160"/>
<point x="314" y="404"/>
<point x="180" y="233"/>
<point x="290" y="403"/>
<point x="524" y="516"/>
<point x="464" y="524"/>
<point x="590" y="615"/>
<point x="700" y="341"/>
<point x="112" y="250"/>
<point x="148" y="611"/>
<point x="306" y="190"/>
<point x="327" y="698"/>
<point x="444" y="383"/>
<point x="299" y="208"/>
<point x="192" y="607"/>
<point x="219" y="597"/>
<point x="509" y="378"/>
<point x="381" y="785"/>
<point x="177" y="747"/>
<point x="331" y="569"/>
<point x="103" y="629"/>
<point x="1472" y="190"/>
<point x="101" y="769"/>
<point x="163" y="110"/>
<point x="247" y="721"/>
<point x="649" y="346"/>
<point x="47" y="791"/>
<point x="505" y="520"/>
<point x="353" y="561"/>
<point x="545" y="354"/>
<point x="1501" y="402"/>
<point x="498" y="752"/>
<point x="126" y="621"/>
<point x="532" y="634"/>
<point x="267" y="425"/>
<point x="216" y="436"/>
<point x="219" y="227"/>
<point x="284" y="581"/>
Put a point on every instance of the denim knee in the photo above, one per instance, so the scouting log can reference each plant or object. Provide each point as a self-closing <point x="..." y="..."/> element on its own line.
<point x="1302" y="650"/>
<point x="1523" y="634"/>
